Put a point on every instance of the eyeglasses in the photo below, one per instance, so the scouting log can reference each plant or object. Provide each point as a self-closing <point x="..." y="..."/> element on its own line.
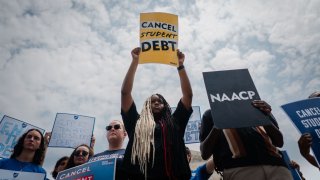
<point x="82" y="153"/>
<point x="115" y="127"/>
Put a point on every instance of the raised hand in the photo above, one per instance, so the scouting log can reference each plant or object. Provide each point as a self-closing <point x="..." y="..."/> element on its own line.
<point x="305" y="143"/>
<point x="262" y="105"/>
<point x="135" y="53"/>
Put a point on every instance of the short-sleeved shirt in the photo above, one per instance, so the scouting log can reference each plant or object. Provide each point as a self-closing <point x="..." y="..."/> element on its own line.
<point x="111" y="154"/>
<point x="180" y="120"/>
<point x="15" y="165"/>
<point x="251" y="142"/>
<point x="200" y="173"/>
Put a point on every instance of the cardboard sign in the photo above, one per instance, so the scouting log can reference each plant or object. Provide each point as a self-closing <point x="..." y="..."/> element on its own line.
<point x="295" y="174"/>
<point x="20" y="175"/>
<point x="305" y="115"/>
<point x="97" y="170"/>
<point x="11" y="130"/>
<point x="230" y="95"/>
<point x="71" y="130"/>
<point x="191" y="135"/>
<point x="158" y="38"/>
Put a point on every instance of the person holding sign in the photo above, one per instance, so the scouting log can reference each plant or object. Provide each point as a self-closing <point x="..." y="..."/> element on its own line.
<point x="305" y="141"/>
<point x="27" y="154"/>
<point x="80" y="155"/>
<point x="116" y="134"/>
<point x="245" y="153"/>
<point x="156" y="148"/>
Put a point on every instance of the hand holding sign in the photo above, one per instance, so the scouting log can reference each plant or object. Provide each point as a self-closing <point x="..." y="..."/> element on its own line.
<point x="305" y="115"/>
<point x="305" y="143"/>
<point x="135" y="53"/>
<point x="262" y="105"/>
<point x="180" y="57"/>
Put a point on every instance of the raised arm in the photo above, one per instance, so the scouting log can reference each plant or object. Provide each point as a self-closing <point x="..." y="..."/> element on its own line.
<point x="305" y="142"/>
<point x="184" y="82"/>
<point x="127" y="84"/>
<point x="272" y="130"/>
<point x="208" y="135"/>
<point x="206" y="146"/>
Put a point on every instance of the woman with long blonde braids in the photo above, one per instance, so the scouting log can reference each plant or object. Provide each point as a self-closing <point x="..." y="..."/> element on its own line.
<point x="156" y="148"/>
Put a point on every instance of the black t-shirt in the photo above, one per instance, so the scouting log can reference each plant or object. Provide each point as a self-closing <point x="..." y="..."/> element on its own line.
<point x="181" y="117"/>
<point x="255" y="147"/>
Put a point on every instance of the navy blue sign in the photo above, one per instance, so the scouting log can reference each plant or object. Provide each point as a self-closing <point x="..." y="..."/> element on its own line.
<point x="98" y="170"/>
<point x="305" y="115"/>
<point x="295" y="174"/>
<point x="230" y="95"/>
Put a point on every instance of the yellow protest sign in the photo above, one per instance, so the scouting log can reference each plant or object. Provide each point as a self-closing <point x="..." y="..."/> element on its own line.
<point x="158" y="38"/>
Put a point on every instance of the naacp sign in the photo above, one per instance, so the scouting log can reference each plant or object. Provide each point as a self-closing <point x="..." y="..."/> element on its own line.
<point x="230" y="94"/>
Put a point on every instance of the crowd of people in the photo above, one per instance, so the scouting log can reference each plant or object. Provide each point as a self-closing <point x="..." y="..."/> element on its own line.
<point x="156" y="149"/>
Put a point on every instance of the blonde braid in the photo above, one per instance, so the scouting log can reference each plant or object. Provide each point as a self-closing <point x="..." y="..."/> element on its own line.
<point x="144" y="138"/>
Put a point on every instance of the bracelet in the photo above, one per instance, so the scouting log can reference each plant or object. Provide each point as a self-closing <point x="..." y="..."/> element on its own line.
<point x="180" y="67"/>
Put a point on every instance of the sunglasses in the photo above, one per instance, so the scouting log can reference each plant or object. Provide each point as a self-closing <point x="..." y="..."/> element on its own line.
<point x="116" y="127"/>
<point x="82" y="153"/>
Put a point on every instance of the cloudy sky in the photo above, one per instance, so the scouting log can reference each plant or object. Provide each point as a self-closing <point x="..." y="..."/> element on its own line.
<point x="71" y="56"/>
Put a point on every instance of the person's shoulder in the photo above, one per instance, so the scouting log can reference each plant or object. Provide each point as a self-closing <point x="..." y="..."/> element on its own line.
<point x="3" y="162"/>
<point x="207" y="115"/>
<point x="100" y="154"/>
<point x="41" y="170"/>
<point x="207" y="112"/>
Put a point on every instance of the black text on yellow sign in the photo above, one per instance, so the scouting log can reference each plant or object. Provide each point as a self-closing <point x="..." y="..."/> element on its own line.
<point x="158" y="45"/>
<point x="159" y="36"/>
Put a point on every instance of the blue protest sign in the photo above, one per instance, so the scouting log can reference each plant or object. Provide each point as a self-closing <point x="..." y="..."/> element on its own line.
<point x="97" y="170"/>
<point x="305" y="115"/>
<point x="295" y="174"/>
<point x="10" y="131"/>
<point x="191" y="134"/>
<point x="8" y="175"/>
<point x="230" y="95"/>
<point x="71" y="130"/>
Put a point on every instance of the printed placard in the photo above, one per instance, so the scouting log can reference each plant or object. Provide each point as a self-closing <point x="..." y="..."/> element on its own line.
<point x="230" y="95"/>
<point x="305" y="115"/>
<point x="20" y="175"/>
<point x="103" y="169"/>
<point x="71" y="130"/>
<point x="191" y="135"/>
<point x="158" y="38"/>
<point x="11" y="130"/>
